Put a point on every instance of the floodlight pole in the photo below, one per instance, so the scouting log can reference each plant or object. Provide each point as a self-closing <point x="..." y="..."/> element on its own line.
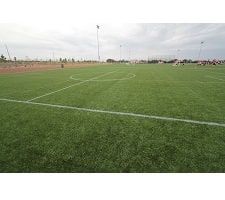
<point x="178" y="51"/>
<point x="129" y="54"/>
<point x="97" y="26"/>
<point x="53" y="57"/>
<point x="8" y="52"/>
<point x="178" y="56"/>
<point x="200" y="50"/>
<point x="120" y="53"/>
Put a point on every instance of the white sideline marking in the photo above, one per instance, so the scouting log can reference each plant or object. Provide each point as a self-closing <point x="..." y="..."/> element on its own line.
<point x="71" y="86"/>
<point x="215" y="78"/>
<point x="118" y="113"/>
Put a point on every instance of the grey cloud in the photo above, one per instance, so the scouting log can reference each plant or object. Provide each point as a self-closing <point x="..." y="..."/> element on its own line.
<point x="138" y="40"/>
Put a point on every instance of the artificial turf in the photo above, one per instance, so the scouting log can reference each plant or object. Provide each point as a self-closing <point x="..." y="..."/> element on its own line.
<point x="36" y="138"/>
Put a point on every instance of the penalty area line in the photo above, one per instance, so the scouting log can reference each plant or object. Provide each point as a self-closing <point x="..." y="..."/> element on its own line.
<point x="117" y="113"/>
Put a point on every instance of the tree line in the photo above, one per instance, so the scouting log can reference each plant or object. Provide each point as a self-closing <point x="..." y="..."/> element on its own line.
<point x="110" y="60"/>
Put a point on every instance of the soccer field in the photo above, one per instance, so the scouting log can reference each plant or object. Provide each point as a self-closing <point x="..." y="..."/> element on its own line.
<point x="114" y="118"/>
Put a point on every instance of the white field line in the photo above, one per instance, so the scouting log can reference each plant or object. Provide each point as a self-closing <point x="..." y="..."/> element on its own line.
<point x="121" y="79"/>
<point x="217" y="73"/>
<point x="44" y="86"/>
<point x="215" y="78"/>
<point x="71" y="86"/>
<point x="118" y="113"/>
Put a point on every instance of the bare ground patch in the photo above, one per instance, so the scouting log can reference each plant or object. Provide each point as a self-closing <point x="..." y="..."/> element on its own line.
<point x="9" y="68"/>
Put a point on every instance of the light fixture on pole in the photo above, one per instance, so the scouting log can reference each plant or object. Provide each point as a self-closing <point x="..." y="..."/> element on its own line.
<point x="97" y="26"/>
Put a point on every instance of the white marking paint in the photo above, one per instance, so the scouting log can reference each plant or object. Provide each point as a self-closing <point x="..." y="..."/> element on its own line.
<point x="130" y="75"/>
<point x="215" y="78"/>
<point x="217" y="73"/>
<point x="71" y="86"/>
<point x="119" y="113"/>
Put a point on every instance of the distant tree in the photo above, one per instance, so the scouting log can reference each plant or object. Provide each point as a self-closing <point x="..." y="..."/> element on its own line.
<point x="171" y="61"/>
<point x="2" y="58"/>
<point x="152" y="61"/>
<point x="60" y="59"/>
<point x="110" y="60"/>
<point x="14" y="58"/>
<point x="73" y="60"/>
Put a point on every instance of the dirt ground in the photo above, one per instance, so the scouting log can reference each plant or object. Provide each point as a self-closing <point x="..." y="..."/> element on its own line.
<point x="8" y="68"/>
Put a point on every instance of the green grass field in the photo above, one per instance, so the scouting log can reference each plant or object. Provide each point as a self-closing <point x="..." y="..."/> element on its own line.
<point x="114" y="118"/>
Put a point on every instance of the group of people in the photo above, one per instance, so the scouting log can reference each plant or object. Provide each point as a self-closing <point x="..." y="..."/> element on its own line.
<point x="204" y="62"/>
<point x="178" y="63"/>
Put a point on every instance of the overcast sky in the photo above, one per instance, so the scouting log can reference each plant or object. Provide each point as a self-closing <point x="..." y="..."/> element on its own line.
<point x="137" y="40"/>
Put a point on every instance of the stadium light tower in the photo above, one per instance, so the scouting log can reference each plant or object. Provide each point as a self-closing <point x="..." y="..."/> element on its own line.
<point x="200" y="50"/>
<point x="97" y="26"/>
